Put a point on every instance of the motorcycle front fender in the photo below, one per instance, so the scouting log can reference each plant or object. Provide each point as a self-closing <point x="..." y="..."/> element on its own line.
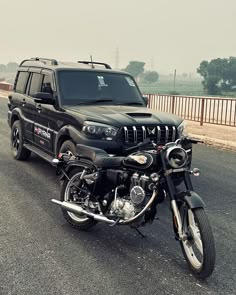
<point x="192" y="199"/>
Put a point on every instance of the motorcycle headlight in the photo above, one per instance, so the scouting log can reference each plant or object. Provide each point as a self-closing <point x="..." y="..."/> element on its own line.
<point x="99" y="130"/>
<point x="182" y="132"/>
<point x="176" y="157"/>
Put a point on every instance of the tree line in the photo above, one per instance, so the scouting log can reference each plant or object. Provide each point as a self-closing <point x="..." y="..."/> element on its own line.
<point x="11" y="67"/>
<point x="136" y="69"/>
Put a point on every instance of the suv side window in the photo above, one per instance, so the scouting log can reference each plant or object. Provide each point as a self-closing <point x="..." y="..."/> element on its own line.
<point x="47" y="84"/>
<point x="22" y="80"/>
<point x="36" y="83"/>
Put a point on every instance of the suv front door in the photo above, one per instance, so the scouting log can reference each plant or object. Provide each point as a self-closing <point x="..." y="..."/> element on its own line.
<point x="45" y="117"/>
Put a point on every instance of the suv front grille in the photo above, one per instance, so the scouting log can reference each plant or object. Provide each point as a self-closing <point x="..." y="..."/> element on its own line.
<point x="159" y="134"/>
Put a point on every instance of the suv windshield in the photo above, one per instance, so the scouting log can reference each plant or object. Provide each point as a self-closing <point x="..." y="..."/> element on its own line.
<point x="87" y="87"/>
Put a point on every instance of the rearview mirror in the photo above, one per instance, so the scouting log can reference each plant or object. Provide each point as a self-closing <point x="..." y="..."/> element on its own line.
<point x="43" y="97"/>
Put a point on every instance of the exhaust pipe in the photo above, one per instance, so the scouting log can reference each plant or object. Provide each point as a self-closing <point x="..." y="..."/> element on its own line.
<point x="79" y="210"/>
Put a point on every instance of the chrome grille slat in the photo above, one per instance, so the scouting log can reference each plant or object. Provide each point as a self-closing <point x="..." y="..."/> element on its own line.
<point x="144" y="132"/>
<point x="126" y="134"/>
<point x="135" y="134"/>
<point x="167" y="133"/>
<point x="158" y="134"/>
<point x="174" y="133"/>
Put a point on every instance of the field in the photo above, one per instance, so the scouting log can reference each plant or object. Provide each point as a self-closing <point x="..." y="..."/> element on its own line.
<point x="165" y="85"/>
<point x="187" y="86"/>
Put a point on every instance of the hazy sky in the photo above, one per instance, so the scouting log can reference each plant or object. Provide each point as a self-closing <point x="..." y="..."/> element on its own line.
<point x="167" y="33"/>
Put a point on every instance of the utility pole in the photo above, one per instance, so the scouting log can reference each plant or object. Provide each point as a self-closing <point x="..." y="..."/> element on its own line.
<point x="174" y="79"/>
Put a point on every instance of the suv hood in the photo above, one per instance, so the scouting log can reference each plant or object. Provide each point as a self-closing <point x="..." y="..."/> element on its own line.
<point x="120" y="116"/>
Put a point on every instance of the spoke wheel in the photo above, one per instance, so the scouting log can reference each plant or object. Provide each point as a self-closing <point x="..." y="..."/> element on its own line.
<point x="73" y="194"/>
<point x="73" y="190"/>
<point x="199" y="247"/>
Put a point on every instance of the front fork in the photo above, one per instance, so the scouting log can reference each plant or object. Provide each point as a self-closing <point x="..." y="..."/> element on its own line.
<point x="178" y="224"/>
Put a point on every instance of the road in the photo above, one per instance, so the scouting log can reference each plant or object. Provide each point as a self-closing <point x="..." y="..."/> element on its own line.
<point x="41" y="254"/>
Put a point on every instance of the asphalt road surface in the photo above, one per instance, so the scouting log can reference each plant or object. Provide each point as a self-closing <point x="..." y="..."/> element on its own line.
<point x="41" y="254"/>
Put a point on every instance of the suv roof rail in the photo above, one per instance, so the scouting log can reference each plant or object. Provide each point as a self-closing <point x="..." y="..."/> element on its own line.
<point x="53" y="62"/>
<point x="107" y="66"/>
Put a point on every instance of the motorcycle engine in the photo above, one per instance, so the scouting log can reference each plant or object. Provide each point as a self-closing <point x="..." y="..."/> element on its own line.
<point x="127" y="206"/>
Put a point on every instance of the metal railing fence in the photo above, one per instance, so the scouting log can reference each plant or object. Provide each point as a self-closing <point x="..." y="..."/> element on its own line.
<point x="212" y="110"/>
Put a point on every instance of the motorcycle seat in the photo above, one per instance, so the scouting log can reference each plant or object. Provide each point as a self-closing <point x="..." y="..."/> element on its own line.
<point x="99" y="157"/>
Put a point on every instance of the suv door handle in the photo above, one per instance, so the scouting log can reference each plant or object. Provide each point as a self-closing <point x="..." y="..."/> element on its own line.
<point x="39" y="108"/>
<point x="23" y="102"/>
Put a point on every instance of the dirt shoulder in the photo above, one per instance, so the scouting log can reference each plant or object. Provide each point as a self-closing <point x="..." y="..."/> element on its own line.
<point x="4" y="93"/>
<point x="217" y="135"/>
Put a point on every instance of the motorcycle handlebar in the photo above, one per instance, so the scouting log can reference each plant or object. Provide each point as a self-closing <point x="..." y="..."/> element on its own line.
<point x="145" y="143"/>
<point x="187" y="140"/>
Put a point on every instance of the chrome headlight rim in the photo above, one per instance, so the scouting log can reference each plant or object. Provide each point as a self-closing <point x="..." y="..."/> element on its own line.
<point x="170" y="162"/>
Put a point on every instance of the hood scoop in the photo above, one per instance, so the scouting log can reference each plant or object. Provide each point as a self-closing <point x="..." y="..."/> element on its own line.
<point x="146" y="115"/>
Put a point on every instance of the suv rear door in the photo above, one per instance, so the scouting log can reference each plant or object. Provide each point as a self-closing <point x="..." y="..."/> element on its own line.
<point x="21" y="100"/>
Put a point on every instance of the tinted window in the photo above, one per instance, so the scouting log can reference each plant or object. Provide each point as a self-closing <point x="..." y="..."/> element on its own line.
<point x="47" y="84"/>
<point x="78" y="87"/>
<point x="21" y="82"/>
<point x="36" y="84"/>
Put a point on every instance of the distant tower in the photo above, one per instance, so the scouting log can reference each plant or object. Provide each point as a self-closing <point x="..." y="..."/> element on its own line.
<point x="117" y="59"/>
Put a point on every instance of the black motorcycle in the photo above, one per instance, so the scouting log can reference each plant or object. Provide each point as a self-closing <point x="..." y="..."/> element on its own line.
<point x="126" y="191"/>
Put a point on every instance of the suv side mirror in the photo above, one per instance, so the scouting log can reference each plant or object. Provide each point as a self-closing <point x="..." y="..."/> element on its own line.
<point x="145" y="98"/>
<point x="43" y="97"/>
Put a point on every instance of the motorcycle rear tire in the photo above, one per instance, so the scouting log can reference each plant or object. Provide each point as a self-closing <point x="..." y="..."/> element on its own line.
<point x="80" y="222"/>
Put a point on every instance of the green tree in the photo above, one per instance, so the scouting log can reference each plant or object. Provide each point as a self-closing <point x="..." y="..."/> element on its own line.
<point x="135" y="68"/>
<point x="218" y="74"/>
<point x="151" y="76"/>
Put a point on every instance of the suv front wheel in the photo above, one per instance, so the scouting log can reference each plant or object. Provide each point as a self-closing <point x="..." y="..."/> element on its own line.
<point x="68" y="147"/>
<point x="19" y="152"/>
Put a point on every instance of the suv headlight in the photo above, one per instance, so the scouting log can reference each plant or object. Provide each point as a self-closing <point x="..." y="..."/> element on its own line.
<point x="182" y="132"/>
<point x="99" y="130"/>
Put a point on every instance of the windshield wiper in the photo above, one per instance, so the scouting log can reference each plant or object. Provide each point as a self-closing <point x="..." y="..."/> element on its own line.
<point x="94" y="101"/>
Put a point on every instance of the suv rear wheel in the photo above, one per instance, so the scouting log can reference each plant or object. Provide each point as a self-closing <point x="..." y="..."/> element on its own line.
<point x="19" y="152"/>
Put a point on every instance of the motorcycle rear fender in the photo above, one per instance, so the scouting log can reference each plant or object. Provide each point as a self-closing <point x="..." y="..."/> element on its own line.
<point x="72" y="165"/>
<point x="192" y="199"/>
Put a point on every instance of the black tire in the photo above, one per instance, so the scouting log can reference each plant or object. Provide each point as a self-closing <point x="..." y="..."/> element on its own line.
<point x="19" y="152"/>
<point x="68" y="147"/>
<point x="75" y="220"/>
<point x="202" y="268"/>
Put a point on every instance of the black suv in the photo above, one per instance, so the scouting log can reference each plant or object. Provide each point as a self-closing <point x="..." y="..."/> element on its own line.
<point x="55" y="105"/>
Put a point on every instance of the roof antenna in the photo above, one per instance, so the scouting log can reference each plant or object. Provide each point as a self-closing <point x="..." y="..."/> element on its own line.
<point x="92" y="61"/>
